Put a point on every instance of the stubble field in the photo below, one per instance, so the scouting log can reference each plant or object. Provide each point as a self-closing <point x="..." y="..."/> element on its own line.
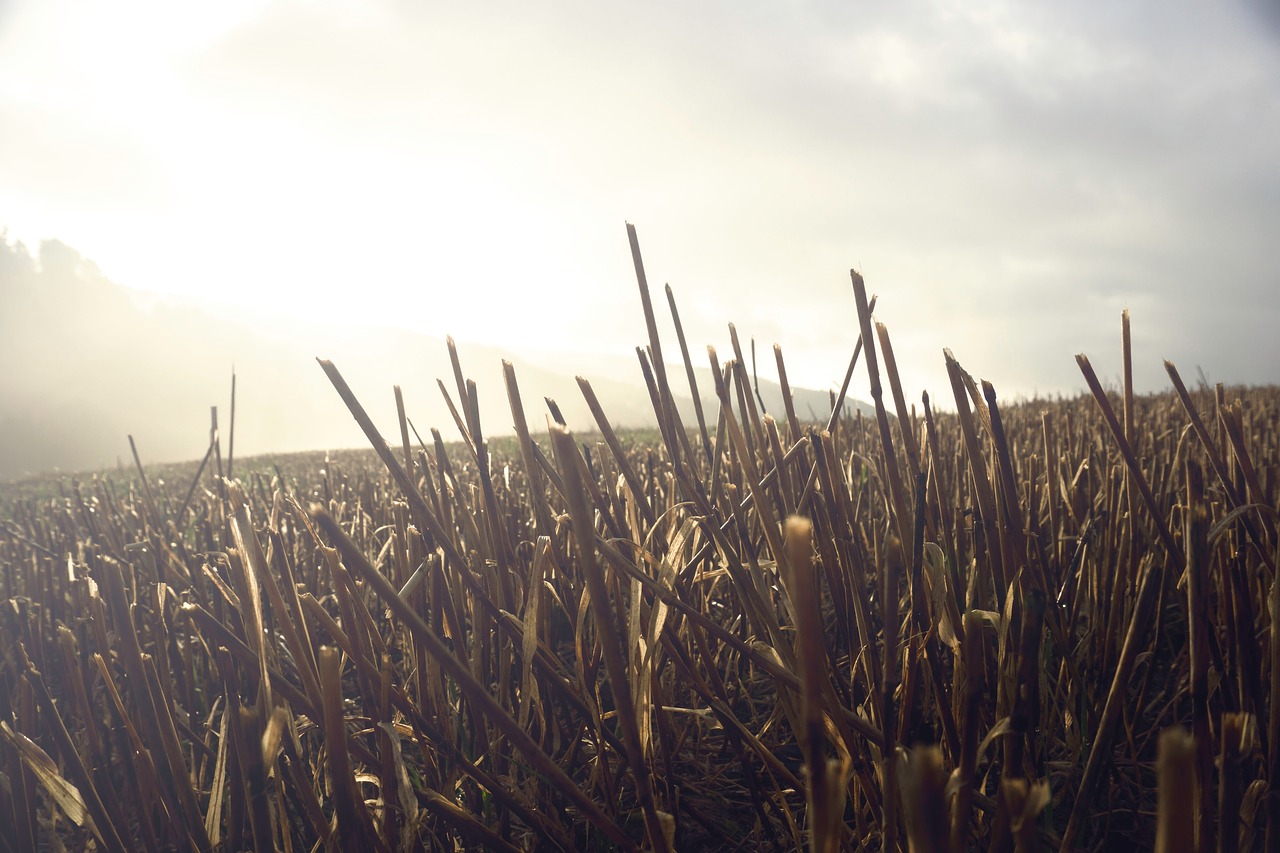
<point x="1021" y="626"/>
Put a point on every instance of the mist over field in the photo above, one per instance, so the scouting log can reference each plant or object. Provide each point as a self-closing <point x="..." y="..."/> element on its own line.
<point x="275" y="181"/>
<point x="88" y="363"/>
<point x="1007" y="176"/>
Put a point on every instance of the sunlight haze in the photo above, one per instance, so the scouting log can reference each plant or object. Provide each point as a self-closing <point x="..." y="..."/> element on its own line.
<point x="1007" y="176"/>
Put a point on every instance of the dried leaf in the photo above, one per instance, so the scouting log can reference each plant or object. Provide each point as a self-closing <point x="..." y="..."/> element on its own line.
<point x="935" y="565"/>
<point x="65" y="794"/>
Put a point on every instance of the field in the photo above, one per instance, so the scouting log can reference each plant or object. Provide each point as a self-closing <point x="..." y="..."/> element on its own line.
<point x="1042" y="625"/>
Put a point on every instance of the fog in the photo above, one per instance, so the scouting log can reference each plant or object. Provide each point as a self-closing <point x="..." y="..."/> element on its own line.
<point x="89" y="363"/>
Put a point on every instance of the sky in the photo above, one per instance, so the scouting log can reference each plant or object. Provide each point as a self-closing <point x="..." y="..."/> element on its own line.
<point x="1007" y="176"/>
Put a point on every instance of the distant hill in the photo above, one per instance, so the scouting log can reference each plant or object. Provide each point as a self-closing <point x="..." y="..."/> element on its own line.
<point x="84" y="363"/>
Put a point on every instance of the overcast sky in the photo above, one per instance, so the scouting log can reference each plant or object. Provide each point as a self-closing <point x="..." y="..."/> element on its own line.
<point x="1008" y="176"/>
